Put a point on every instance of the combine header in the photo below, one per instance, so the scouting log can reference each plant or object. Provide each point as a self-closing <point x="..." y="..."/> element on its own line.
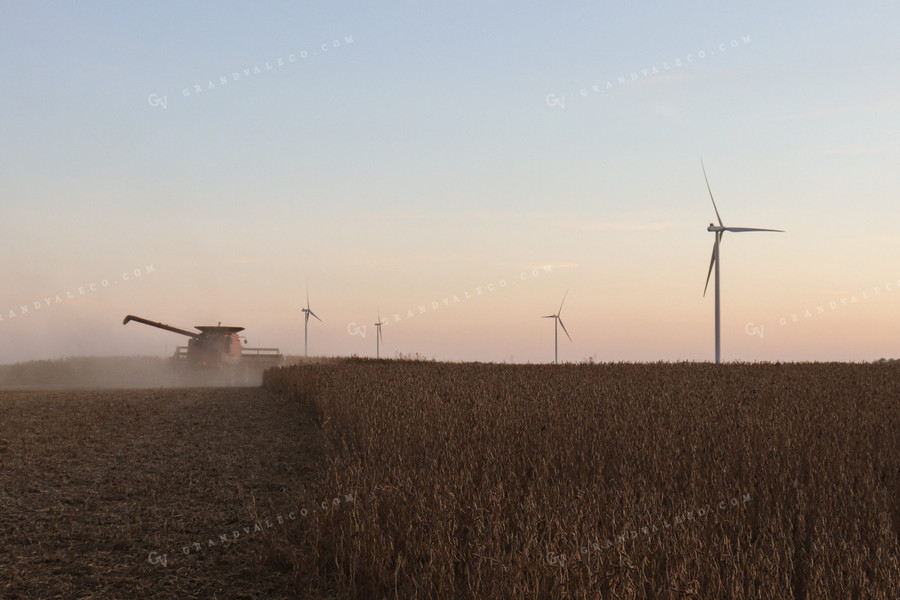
<point x="215" y="346"/>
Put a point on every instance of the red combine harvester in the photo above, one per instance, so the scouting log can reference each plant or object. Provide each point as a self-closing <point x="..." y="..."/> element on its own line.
<point x="217" y="348"/>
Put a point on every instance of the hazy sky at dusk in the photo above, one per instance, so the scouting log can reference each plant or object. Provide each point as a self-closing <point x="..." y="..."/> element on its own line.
<point x="398" y="154"/>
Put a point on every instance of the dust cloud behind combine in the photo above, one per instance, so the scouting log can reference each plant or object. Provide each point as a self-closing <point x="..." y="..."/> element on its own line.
<point x="121" y="372"/>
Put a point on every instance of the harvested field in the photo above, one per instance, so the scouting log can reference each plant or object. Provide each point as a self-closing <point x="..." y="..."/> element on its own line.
<point x="93" y="482"/>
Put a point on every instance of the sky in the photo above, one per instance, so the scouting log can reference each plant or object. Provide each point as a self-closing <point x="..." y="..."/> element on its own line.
<point x="456" y="168"/>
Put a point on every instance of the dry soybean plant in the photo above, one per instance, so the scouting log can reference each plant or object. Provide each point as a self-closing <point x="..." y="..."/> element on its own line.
<point x="613" y="481"/>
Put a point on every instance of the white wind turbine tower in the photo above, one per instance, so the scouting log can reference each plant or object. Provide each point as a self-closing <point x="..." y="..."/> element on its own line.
<point x="378" y="336"/>
<point x="720" y="230"/>
<point x="306" y="312"/>
<point x="556" y="326"/>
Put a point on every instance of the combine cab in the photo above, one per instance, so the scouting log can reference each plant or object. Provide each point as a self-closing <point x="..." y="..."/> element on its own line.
<point x="217" y="349"/>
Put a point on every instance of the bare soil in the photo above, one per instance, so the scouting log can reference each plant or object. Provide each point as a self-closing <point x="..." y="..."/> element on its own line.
<point x="164" y="493"/>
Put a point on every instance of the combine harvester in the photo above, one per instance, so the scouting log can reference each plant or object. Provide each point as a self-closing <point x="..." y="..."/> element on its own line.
<point x="216" y="354"/>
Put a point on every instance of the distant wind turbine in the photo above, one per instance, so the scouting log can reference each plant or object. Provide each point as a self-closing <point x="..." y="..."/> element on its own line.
<point x="556" y="327"/>
<point x="720" y="230"/>
<point x="378" y="336"/>
<point x="306" y="312"/>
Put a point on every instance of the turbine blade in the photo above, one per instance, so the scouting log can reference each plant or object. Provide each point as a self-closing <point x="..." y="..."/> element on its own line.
<point x="721" y="224"/>
<point x="563" y="302"/>
<point x="549" y="317"/>
<point x="741" y="229"/>
<point x="379" y="334"/>
<point x="564" y="329"/>
<point x="316" y="316"/>
<point x="712" y="262"/>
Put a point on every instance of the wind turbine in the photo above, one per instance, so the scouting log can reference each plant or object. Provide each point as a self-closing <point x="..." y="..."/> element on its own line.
<point x="306" y="312"/>
<point x="720" y="230"/>
<point x="378" y="336"/>
<point x="556" y="329"/>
